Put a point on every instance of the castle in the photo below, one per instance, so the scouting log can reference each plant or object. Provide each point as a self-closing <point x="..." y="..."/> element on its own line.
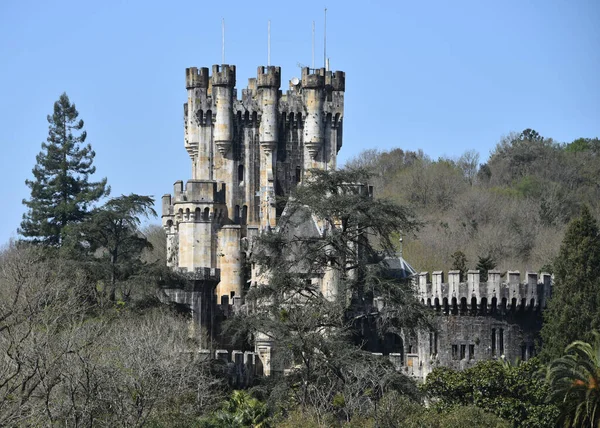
<point x="248" y="151"/>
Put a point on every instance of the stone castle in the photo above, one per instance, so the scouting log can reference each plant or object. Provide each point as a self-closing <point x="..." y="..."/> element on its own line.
<point x="249" y="152"/>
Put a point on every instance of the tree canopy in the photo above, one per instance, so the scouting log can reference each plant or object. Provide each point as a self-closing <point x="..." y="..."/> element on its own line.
<point x="574" y="309"/>
<point x="61" y="190"/>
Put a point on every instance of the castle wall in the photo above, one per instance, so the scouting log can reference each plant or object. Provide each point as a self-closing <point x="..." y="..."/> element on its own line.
<point x="245" y="152"/>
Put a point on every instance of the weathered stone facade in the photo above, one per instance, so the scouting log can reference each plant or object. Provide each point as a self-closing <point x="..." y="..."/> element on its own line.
<point x="246" y="152"/>
<point x="499" y="318"/>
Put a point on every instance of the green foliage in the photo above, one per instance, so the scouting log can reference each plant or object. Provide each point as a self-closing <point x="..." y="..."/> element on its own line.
<point x="515" y="393"/>
<point x="575" y="381"/>
<point x="241" y="410"/>
<point x="316" y="334"/>
<point x="459" y="262"/>
<point x="112" y="238"/>
<point x="61" y="192"/>
<point x="574" y="309"/>
<point x="485" y="264"/>
<point x="514" y="207"/>
<point x="582" y="145"/>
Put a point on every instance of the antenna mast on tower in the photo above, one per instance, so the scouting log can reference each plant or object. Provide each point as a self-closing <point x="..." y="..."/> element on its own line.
<point x="269" y="43"/>
<point x="313" y="45"/>
<point x="325" y="42"/>
<point x="223" y="41"/>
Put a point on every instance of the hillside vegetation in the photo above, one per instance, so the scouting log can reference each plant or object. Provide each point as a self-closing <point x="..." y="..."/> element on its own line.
<point x="513" y="207"/>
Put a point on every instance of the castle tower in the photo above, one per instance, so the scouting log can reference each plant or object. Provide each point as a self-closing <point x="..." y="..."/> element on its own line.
<point x="245" y="152"/>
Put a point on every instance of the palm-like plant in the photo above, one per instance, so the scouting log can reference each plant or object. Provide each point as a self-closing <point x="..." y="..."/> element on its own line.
<point x="575" y="383"/>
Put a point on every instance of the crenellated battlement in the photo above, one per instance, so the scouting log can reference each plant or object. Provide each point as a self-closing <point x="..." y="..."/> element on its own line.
<point x="197" y="191"/>
<point x="223" y="75"/>
<point x="268" y="77"/>
<point x="336" y="80"/>
<point x="314" y="80"/>
<point x="497" y="294"/>
<point x="196" y="78"/>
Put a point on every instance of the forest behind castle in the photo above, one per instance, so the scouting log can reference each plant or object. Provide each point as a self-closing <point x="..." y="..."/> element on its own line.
<point x="85" y="339"/>
<point x="512" y="206"/>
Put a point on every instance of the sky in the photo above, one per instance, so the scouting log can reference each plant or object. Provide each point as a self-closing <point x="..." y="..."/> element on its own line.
<point x="441" y="76"/>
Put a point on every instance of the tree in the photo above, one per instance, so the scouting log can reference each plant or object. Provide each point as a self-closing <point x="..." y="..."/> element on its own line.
<point x="469" y="163"/>
<point x="339" y="239"/>
<point x="61" y="192"/>
<point x="485" y="264"/>
<point x="574" y="309"/>
<point x="113" y="230"/>
<point x="459" y="262"/>
<point x="575" y="383"/>
<point x="515" y="393"/>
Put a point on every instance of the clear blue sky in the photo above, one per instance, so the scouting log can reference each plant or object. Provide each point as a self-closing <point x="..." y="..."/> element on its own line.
<point x="442" y="76"/>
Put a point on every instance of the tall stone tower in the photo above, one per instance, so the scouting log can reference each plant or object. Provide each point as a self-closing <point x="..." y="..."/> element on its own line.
<point x="245" y="153"/>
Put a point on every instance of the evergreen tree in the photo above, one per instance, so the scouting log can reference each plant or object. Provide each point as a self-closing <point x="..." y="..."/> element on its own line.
<point x="459" y="262"/>
<point x="112" y="238"/>
<point x="485" y="264"/>
<point x="344" y="236"/>
<point x="61" y="192"/>
<point x="574" y="309"/>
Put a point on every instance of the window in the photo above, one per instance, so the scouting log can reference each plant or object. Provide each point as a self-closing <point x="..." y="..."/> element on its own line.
<point x="501" y="341"/>
<point x="471" y="352"/>
<point x="240" y="174"/>
<point x="493" y="341"/>
<point x="455" y="352"/>
<point x="463" y="351"/>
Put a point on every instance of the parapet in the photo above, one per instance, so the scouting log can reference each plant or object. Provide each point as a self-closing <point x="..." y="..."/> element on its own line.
<point x="197" y="191"/>
<point x="269" y="77"/>
<point x="510" y="291"/>
<point x="196" y="78"/>
<point x="223" y="75"/>
<point x="336" y="80"/>
<point x="313" y="80"/>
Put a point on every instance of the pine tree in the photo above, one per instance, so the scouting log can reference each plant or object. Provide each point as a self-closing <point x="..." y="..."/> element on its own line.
<point x="485" y="264"/>
<point x="61" y="192"/>
<point x="574" y="309"/>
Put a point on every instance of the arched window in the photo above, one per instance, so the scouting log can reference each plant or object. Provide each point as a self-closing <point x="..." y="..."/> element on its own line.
<point x="240" y="174"/>
<point x="494" y="304"/>
<point x="473" y="306"/>
<point x="463" y="306"/>
<point x="197" y="214"/>
<point x="437" y="304"/>
<point x="429" y="303"/>
<point x="484" y="305"/>
<point x="245" y="214"/>
<point x="446" y="306"/>
<point x="206" y="214"/>
<point x="454" y="306"/>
